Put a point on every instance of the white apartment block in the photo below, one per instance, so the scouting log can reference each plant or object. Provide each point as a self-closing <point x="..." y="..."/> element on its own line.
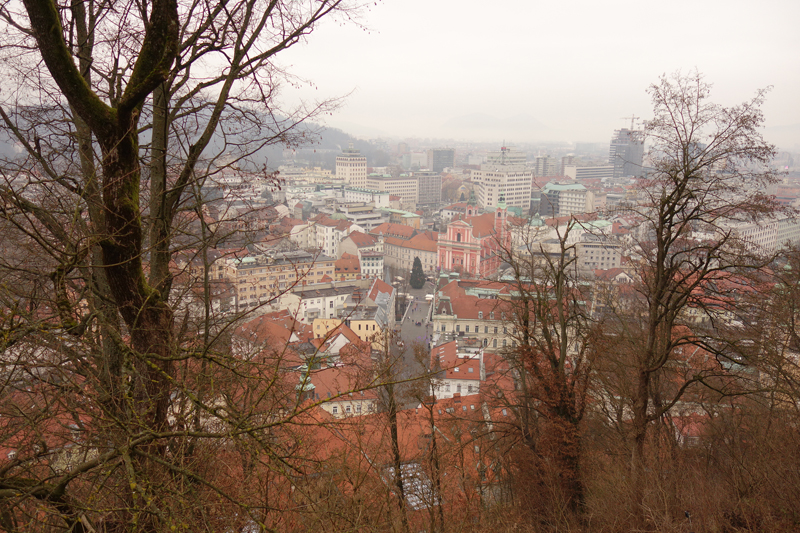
<point x="404" y="186"/>
<point x="364" y="215"/>
<point x="351" y="166"/>
<point x="367" y="196"/>
<point x="513" y="185"/>
<point x="595" y="253"/>
<point x="565" y="199"/>
<point x="585" y="173"/>
<point x="505" y="174"/>
<point x="372" y="264"/>
<point x="331" y="232"/>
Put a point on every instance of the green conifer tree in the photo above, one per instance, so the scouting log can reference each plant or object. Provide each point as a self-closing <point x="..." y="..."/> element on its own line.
<point x="417" y="279"/>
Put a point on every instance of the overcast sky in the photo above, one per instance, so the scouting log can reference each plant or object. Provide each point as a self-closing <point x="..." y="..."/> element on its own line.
<point x="562" y="70"/>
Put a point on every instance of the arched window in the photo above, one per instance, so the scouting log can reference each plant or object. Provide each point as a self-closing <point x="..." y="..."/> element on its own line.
<point x="458" y="237"/>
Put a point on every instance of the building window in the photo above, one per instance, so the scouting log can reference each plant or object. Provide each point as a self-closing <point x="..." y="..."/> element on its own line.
<point x="466" y="329"/>
<point x="491" y="315"/>
<point x="486" y="329"/>
<point x="335" y="410"/>
<point x="485" y="342"/>
<point x="458" y="327"/>
<point x="480" y="315"/>
<point x="494" y="343"/>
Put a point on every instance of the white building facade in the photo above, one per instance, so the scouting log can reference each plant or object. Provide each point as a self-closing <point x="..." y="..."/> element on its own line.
<point x="351" y="166"/>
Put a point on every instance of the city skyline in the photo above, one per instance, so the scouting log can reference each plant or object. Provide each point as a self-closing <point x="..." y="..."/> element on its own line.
<point x="529" y="73"/>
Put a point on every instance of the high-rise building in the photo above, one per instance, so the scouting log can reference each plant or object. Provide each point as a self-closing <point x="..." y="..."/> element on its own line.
<point x="351" y="166"/>
<point x="429" y="188"/>
<point x="566" y="161"/>
<point x="545" y="166"/>
<point x="626" y="153"/>
<point x="505" y="174"/>
<point x="441" y="158"/>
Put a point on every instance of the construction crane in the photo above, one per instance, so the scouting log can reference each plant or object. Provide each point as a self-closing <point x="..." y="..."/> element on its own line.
<point x="633" y="119"/>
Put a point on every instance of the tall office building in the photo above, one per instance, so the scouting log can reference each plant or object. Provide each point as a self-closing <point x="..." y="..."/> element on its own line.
<point x="505" y="174"/>
<point x="626" y="153"/>
<point x="430" y="187"/>
<point x="352" y="167"/>
<point x="441" y="158"/>
<point x="545" y="166"/>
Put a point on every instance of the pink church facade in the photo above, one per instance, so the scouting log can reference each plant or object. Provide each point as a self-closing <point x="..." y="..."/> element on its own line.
<point x="471" y="243"/>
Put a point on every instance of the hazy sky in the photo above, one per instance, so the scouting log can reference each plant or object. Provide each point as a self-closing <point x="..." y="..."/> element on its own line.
<point x="561" y="70"/>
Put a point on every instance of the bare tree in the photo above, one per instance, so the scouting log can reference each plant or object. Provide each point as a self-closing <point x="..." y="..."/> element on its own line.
<point x="138" y="104"/>
<point x="548" y="356"/>
<point x="710" y="166"/>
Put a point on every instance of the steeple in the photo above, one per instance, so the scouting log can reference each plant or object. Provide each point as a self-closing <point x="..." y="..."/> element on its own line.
<point x="471" y="204"/>
<point x="501" y="217"/>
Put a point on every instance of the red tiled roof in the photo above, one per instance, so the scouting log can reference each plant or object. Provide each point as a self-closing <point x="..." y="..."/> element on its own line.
<point x="469" y="307"/>
<point x="445" y="357"/>
<point x="394" y="230"/>
<point x="348" y="264"/>
<point x="340" y="225"/>
<point x="420" y="242"/>
<point x="333" y="381"/>
<point x="362" y="240"/>
<point x="379" y="286"/>
<point x="277" y="327"/>
<point x="432" y="235"/>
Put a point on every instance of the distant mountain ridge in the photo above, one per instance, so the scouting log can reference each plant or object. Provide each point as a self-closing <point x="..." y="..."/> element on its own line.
<point x="488" y="127"/>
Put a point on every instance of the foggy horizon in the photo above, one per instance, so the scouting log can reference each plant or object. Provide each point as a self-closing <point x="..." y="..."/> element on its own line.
<point x="532" y="73"/>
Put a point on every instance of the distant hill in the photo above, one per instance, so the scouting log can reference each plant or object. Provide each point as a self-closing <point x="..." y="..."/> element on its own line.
<point x="483" y="126"/>
<point x="323" y="145"/>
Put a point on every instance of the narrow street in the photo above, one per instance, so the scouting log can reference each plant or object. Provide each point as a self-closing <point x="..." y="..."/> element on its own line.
<point x="413" y="357"/>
